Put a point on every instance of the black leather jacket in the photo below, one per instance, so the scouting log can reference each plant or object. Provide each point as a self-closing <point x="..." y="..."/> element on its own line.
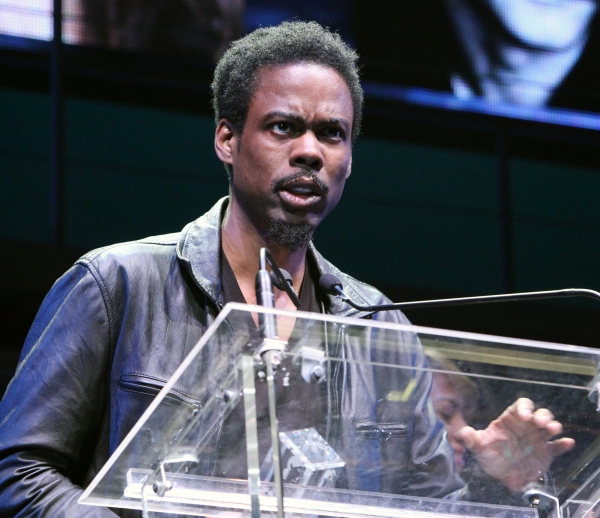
<point x="116" y="326"/>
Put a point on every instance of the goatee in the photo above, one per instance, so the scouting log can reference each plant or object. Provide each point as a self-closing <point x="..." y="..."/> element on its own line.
<point x="289" y="235"/>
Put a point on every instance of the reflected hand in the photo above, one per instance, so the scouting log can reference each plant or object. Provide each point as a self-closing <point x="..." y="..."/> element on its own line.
<point x="517" y="448"/>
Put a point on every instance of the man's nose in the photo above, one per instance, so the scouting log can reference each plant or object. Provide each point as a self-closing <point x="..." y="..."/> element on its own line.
<point x="307" y="152"/>
<point x="457" y="423"/>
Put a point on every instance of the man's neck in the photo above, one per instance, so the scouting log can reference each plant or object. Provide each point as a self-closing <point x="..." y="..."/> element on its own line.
<point x="241" y="242"/>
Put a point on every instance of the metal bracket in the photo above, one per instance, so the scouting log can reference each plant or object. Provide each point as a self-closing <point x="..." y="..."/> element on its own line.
<point x="160" y="487"/>
<point x="544" y="502"/>
<point x="594" y="387"/>
<point x="271" y="344"/>
<point x="313" y="365"/>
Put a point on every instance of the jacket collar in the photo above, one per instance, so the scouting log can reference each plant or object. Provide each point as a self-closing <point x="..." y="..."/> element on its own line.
<point x="334" y="305"/>
<point x="199" y="247"/>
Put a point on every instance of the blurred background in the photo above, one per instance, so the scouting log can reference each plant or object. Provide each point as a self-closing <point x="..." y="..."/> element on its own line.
<point x="469" y="179"/>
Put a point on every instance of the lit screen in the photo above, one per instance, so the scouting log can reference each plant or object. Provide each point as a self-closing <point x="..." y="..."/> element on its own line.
<point x="530" y="59"/>
<point x="26" y="18"/>
<point x="200" y="28"/>
<point x="527" y="59"/>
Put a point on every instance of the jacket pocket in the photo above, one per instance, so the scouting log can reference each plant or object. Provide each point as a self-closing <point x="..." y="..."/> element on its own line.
<point x="150" y="386"/>
<point x="380" y="431"/>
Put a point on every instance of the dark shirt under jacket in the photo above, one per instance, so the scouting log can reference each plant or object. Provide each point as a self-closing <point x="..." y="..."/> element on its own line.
<point x="299" y="404"/>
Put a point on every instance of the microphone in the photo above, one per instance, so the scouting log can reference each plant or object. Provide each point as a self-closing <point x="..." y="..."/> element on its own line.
<point x="331" y="285"/>
<point x="264" y="290"/>
<point x="265" y="298"/>
<point x="277" y="283"/>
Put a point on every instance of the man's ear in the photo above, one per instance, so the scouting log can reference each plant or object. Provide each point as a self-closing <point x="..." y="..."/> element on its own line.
<point x="225" y="141"/>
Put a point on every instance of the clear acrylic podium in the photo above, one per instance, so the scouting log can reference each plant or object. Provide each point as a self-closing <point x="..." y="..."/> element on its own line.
<point x="358" y="435"/>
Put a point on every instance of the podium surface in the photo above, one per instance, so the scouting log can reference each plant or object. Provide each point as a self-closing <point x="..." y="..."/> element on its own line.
<point x="366" y="416"/>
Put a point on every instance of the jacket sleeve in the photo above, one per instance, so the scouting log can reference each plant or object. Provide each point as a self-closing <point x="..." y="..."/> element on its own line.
<point x="51" y="414"/>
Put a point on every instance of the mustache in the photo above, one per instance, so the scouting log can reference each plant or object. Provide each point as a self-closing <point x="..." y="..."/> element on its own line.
<point x="304" y="173"/>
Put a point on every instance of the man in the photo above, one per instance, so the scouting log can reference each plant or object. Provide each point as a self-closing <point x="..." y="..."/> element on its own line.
<point x="115" y="327"/>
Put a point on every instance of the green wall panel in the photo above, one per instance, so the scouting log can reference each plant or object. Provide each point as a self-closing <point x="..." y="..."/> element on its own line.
<point x="424" y="176"/>
<point x="556" y="225"/>
<point x="556" y="192"/>
<point x="419" y="216"/>
<point x="24" y="198"/>
<point x="134" y="172"/>
<point x="395" y="245"/>
<point x="106" y="206"/>
<point x="25" y="119"/>
<point x="24" y="166"/>
<point x="139" y="137"/>
<point x="554" y="257"/>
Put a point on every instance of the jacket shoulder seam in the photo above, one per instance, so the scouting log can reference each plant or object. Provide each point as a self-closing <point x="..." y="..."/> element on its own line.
<point x="90" y="256"/>
<point x="105" y="297"/>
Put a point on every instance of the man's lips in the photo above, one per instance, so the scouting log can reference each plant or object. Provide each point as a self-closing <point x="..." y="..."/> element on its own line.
<point x="302" y="187"/>
<point x="301" y="192"/>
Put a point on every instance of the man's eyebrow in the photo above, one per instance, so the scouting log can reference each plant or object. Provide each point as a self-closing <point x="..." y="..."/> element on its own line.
<point x="335" y="122"/>
<point x="301" y="120"/>
<point x="285" y="115"/>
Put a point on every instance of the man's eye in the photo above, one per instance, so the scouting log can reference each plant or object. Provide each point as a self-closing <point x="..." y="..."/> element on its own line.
<point x="334" y="133"/>
<point x="445" y="410"/>
<point x="282" y="127"/>
<point x="445" y="416"/>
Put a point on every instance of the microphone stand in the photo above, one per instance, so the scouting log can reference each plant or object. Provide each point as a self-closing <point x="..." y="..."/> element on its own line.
<point x="271" y="350"/>
<point x="485" y="299"/>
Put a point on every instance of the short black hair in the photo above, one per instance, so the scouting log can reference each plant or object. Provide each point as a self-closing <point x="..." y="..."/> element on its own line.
<point x="235" y="77"/>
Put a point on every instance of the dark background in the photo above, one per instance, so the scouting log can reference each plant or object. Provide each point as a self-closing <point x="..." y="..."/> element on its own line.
<point x="439" y="203"/>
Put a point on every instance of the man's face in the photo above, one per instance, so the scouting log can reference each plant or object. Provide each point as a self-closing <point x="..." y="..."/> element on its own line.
<point x="291" y="162"/>
<point x="449" y="406"/>
<point x="546" y="24"/>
